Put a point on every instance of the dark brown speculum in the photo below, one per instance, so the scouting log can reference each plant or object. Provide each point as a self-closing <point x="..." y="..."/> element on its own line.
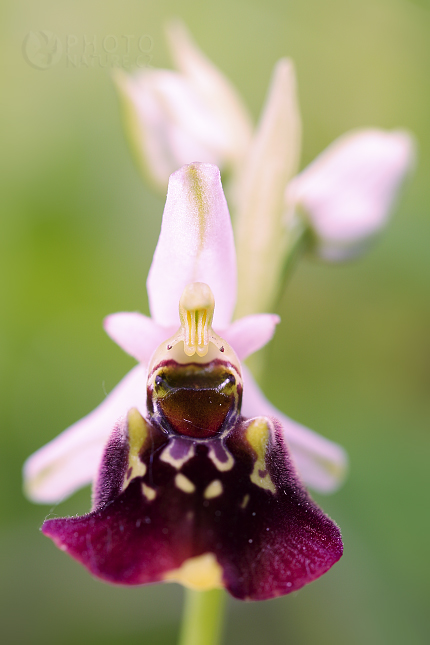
<point x="195" y="400"/>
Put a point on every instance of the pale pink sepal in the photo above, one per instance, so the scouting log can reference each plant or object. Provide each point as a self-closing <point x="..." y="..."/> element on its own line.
<point x="176" y="117"/>
<point x="262" y="235"/>
<point x="321" y="464"/>
<point x="223" y="102"/>
<point x="346" y="194"/>
<point x="71" y="460"/>
<point x="168" y="123"/>
<point x="249" y="334"/>
<point x="136" y="334"/>
<point x="195" y="245"/>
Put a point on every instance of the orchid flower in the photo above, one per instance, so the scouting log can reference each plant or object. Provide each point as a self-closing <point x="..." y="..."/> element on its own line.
<point x="332" y="209"/>
<point x="197" y="482"/>
<point x="185" y="253"/>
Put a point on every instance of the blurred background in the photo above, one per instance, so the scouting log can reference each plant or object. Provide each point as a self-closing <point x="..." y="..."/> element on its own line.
<point x="351" y="358"/>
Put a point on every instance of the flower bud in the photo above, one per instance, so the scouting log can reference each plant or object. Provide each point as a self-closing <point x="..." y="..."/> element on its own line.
<point x="347" y="193"/>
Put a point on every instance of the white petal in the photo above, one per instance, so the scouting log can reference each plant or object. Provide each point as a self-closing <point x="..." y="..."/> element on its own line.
<point x="346" y="194"/>
<point x="136" y="334"/>
<point x="195" y="245"/>
<point x="72" y="459"/>
<point x="261" y="234"/>
<point x="321" y="464"/>
<point x="249" y="334"/>
<point x="218" y="94"/>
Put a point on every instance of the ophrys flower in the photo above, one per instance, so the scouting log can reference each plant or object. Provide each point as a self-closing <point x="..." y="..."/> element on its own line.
<point x="195" y="245"/>
<point x="192" y="489"/>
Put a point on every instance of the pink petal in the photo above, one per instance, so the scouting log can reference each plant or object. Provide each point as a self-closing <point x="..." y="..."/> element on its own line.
<point x="346" y="194"/>
<point x="72" y="459"/>
<point x="251" y="333"/>
<point x="136" y="334"/>
<point x="321" y="463"/>
<point x="195" y="245"/>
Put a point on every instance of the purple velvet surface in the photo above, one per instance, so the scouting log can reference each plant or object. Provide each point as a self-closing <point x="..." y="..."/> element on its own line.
<point x="274" y="545"/>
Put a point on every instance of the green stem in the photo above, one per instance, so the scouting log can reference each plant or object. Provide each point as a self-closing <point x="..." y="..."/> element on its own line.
<point x="203" y="617"/>
<point x="298" y="247"/>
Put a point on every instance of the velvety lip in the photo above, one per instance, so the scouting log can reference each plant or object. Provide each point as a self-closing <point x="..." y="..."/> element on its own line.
<point x="250" y="513"/>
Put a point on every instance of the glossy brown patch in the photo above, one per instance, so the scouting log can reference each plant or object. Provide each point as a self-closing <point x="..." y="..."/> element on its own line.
<point x="194" y="400"/>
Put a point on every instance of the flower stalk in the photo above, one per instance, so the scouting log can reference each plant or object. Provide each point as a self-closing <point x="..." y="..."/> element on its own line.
<point x="203" y="616"/>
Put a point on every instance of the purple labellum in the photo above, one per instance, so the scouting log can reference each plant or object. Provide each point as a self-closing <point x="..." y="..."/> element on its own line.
<point x="166" y="498"/>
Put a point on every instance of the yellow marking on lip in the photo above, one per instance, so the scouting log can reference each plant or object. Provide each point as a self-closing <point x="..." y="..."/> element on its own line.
<point x="149" y="492"/>
<point x="201" y="573"/>
<point x="213" y="490"/>
<point x="137" y="434"/>
<point x="245" y="501"/>
<point x="176" y="463"/>
<point x="221" y="465"/>
<point x="258" y="434"/>
<point x="185" y="484"/>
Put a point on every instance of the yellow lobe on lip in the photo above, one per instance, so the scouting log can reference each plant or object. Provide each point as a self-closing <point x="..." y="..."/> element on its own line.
<point x="257" y="435"/>
<point x="200" y="573"/>
<point x="137" y="434"/>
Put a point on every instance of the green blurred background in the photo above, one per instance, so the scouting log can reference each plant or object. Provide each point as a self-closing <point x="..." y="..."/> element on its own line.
<point x="351" y="358"/>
